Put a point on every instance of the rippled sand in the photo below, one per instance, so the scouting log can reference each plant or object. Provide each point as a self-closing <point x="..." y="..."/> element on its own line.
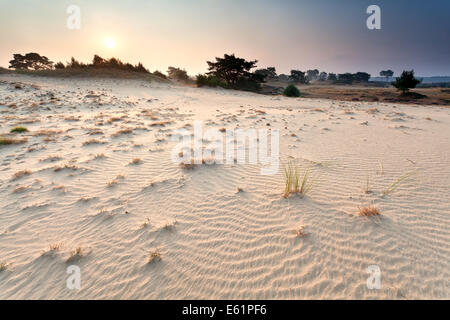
<point x="95" y="173"/>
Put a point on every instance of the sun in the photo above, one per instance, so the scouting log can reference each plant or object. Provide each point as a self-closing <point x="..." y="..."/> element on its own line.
<point x="110" y="43"/>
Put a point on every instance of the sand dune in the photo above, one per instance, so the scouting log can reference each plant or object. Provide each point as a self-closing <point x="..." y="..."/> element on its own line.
<point x="92" y="183"/>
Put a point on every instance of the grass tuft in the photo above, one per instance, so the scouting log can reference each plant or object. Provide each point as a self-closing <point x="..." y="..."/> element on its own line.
<point x="18" y="130"/>
<point x="295" y="182"/>
<point x="396" y="183"/>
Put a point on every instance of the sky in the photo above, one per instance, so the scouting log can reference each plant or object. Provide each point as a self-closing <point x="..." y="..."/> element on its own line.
<point x="329" y="35"/>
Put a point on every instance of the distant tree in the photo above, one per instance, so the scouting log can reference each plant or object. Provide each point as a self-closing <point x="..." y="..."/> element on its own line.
<point x="361" y="77"/>
<point x="332" y="77"/>
<point x="232" y="69"/>
<point x="98" y="61"/>
<point x="177" y="74"/>
<point x="74" y="63"/>
<point x="406" y="81"/>
<point x="59" y="65"/>
<point x="298" y="76"/>
<point x="32" y="60"/>
<point x="140" y="68"/>
<point x="159" y="74"/>
<point x="323" y="76"/>
<point x="312" y="74"/>
<point x="345" y="78"/>
<point x="387" y="74"/>
<point x="268" y="73"/>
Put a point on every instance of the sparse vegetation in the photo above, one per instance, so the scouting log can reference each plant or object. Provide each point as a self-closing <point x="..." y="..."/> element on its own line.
<point x="368" y="211"/>
<point x="300" y="232"/>
<point x="3" y="266"/>
<point x="9" y="141"/>
<point x="396" y="183"/>
<point x="20" y="174"/>
<point x="296" y="183"/>
<point x="19" y="129"/>
<point x="136" y="161"/>
<point x="291" y="91"/>
<point x="406" y="81"/>
<point x="76" y="254"/>
<point x="155" y="256"/>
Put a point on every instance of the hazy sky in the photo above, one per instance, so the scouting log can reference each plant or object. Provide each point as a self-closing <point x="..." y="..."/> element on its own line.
<point x="329" y="35"/>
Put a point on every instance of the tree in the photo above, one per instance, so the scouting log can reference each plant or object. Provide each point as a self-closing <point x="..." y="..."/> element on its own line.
<point x="59" y="65"/>
<point x="312" y="74"/>
<point x="323" y="76"/>
<point x="346" y="78"/>
<point x="233" y="70"/>
<point x="98" y="61"/>
<point x="177" y="74"/>
<point x="361" y="77"/>
<point x="268" y="73"/>
<point x="386" y="73"/>
<point x="298" y="76"/>
<point x="159" y="74"/>
<point x="32" y="60"/>
<point x="332" y="77"/>
<point x="406" y="81"/>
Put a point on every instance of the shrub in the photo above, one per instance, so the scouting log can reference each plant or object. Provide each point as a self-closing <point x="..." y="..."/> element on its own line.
<point x="291" y="91"/>
<point x="406" y="81"/>
<point x="210" y="81"/>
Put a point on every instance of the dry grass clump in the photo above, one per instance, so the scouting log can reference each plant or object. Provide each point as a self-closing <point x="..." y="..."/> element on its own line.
<point x="66" y="166"/>
<point x="300" y="232"/>
<point x="368" y="211"/>
<point x="3" y="266"/>
<point x="75" y="254"/>
<point x="20" y="174"/>
<point x="373" y="111"/>
<point x="52" y="248"/>
<point x="99" y="156"/>
<point x="295" y="182"/>
<point x="92" y="141"/>
<point x="160" y="123"/>
<point x="115" y="181"/>
<point x="9" y="141"/>
<point x="145" y="224"/>
<point x="170" y="226"/>
<point x="136" y="161"/>
<point x="155" y="256"/>
<point x="46" y="132"/>
<point x="122" y="131"/>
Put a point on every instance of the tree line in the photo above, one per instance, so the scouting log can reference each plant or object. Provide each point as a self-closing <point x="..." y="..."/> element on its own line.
<point x="228" y="72"/>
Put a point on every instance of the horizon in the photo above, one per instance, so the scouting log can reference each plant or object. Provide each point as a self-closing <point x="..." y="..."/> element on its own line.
<point x="327" y="36"/>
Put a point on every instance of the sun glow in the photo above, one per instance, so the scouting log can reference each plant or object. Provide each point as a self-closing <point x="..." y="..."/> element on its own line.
<point x="110" y="43"/>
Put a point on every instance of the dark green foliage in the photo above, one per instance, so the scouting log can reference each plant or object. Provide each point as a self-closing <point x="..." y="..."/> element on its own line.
<point x="177" y="74"/>
<point x="210" y="81"/>
<point x="236" y="72"/>
<point x="332" y="77"/>
<point x="361" y="77"/>
<point x="30" y="61"/>
<point x="386" y="73"/>
<point x="406" y="81"/>
<point x="298" y="76"/>
<point x="19" y="130"/>
<point x="291" y="91"/>
<point x="268" y="73"/>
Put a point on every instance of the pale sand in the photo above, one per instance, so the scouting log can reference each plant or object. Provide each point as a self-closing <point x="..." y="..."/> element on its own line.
<point x="219" y="243"/>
